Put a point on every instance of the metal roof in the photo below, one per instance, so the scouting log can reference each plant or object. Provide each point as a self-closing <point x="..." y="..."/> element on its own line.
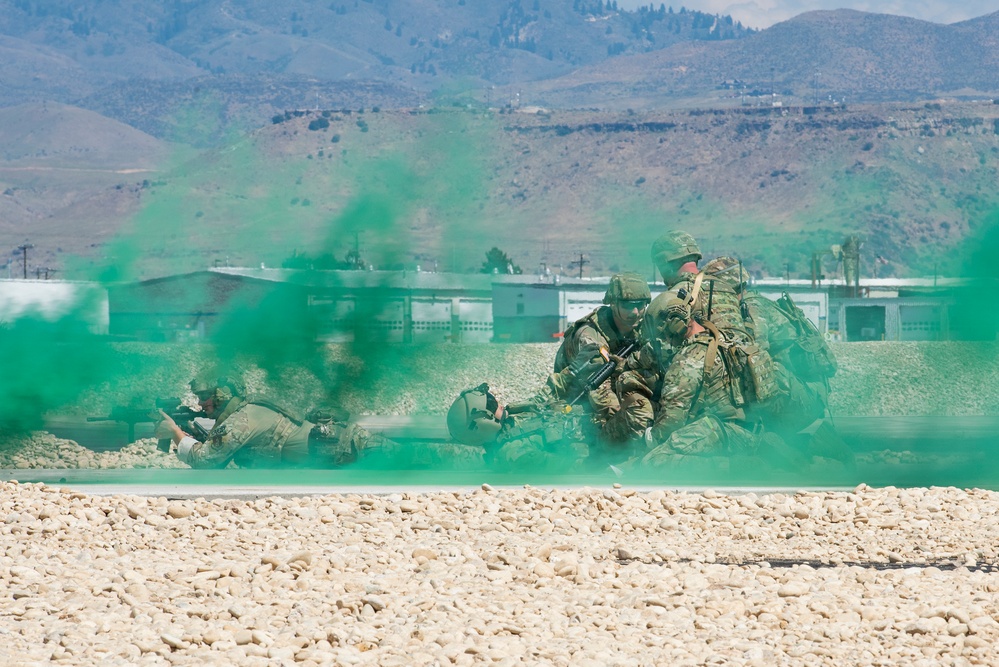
<point x="400" y="280"/>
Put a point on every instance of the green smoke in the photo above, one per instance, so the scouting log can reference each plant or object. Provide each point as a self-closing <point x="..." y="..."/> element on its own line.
<point x="258" y="203"/>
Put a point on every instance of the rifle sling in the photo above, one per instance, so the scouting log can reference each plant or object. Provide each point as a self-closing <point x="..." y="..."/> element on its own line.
<point x="695" y="292"/>
<point x="709" y="363"/>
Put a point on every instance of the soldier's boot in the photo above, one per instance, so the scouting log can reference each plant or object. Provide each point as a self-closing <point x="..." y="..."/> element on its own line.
<point x="778" y="454"/>
<point x="821" y="439"/>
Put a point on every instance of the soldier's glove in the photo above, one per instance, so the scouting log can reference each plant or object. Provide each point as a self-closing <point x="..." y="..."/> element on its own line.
<point x="631" y="382"/>
<point x="619" y="362"/>
<point x="163" y="430"/>
<point x="521" y="407"/>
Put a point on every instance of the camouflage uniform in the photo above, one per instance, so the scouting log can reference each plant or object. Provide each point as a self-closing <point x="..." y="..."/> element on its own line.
<point x="726" y="315"/>
<point x="696" y="414"/>
<point x="614" y="418"/>
<point x="804" y="397"/>
<point x="256" y="433"/>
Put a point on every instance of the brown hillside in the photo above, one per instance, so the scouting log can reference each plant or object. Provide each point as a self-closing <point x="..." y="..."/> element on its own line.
<point x="842" y="55"/>
<point x="441" y="187"/>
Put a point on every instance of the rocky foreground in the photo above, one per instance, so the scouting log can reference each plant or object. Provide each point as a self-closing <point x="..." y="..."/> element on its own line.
<point x="521" y="576"/>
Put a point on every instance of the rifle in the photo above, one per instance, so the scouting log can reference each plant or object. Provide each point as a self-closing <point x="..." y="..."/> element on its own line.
<point x="597" y="377"/>
<point x="140" y="415"/>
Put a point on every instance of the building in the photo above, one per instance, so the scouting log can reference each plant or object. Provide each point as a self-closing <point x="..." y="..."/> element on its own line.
<point x="420" y="307"/>
<point x="526" y="309"/>
<point x="899" y="309"/>
<point x="333" y="306"/>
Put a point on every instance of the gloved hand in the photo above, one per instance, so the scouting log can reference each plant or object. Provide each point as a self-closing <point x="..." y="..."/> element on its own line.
<point x="163" y="431"/>
<point x="631" y="382"/>
<point x="166" y="428"/>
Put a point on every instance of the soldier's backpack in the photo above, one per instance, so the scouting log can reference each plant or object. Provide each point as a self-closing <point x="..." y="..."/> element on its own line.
<point x="751" y="370"/>
<point x="754" y="370"/>
<point x="810" y="355"/>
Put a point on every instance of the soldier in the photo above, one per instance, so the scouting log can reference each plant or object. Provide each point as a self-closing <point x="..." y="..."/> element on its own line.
<point x="588" y="344"/>
<point x="803" y="360"/>
<point x="785" y="339"/>
<point x="697" y="413"/>
<point x="676" y="255"/>
<point x="255" y="432"/>
<point x="526" y="437"/>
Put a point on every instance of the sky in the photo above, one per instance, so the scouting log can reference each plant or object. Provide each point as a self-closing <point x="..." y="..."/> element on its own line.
<point x="764" y="13"/>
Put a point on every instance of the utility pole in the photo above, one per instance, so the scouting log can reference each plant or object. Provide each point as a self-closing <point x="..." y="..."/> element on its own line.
<point x="24" y="257"/>
<point x="580" y="262"/>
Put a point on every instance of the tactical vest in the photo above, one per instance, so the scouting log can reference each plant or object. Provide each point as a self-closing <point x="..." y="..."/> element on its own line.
<point x="752" y="374"/>
<point x="593" y="319"/>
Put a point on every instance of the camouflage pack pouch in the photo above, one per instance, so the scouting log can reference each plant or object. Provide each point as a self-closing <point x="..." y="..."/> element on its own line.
<point x="759" y="372"/>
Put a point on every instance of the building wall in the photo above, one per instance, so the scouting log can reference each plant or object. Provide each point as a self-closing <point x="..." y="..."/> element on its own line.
<point x="432" y="308"/>
<point x="894" y="319"/>
<point x="526" y="313"/>
<point x="194" y="305"/>
<point x="397" y="319"/>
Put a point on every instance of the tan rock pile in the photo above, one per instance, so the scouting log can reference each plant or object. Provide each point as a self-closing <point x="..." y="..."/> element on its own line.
<point x="44" y="450"/>
<point x="521" y="576"/>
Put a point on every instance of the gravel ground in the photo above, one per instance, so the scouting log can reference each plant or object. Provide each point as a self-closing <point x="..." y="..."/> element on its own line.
<point x="505" y="577"/>
<point x="949" y="378"/>
<point x="43" y="450"/>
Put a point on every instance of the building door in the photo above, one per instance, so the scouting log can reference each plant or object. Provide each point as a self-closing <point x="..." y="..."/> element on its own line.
<point x="865" y="323"/>
<point x="919" y="323"/>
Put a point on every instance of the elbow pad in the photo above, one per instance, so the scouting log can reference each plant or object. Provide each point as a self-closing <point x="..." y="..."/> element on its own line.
<point x="184" y="448"/>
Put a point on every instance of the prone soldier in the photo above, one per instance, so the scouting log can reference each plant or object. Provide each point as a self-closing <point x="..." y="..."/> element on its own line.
<point x="253" y="431"/>
<point x="526" y="437"/>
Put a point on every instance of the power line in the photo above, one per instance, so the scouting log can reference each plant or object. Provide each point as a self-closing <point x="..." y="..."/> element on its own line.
<point x="24" y="260"/>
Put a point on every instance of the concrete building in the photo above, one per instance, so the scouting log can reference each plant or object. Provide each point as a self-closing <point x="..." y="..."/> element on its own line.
<point x="334" y="306"/>
<point x="526" y="309"/>
<point x="419" y="307"/>
<point x="898" y="309"/>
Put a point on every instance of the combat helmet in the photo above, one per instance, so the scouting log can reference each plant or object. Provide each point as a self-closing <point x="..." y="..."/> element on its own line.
<point x="471" y="419"/>
<point x="223" y="388"/>
<point x="728" y="269"/>
<point x="202" y="385"/>
<point x="674" y="245"/>
<point x="627" y="287"/>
